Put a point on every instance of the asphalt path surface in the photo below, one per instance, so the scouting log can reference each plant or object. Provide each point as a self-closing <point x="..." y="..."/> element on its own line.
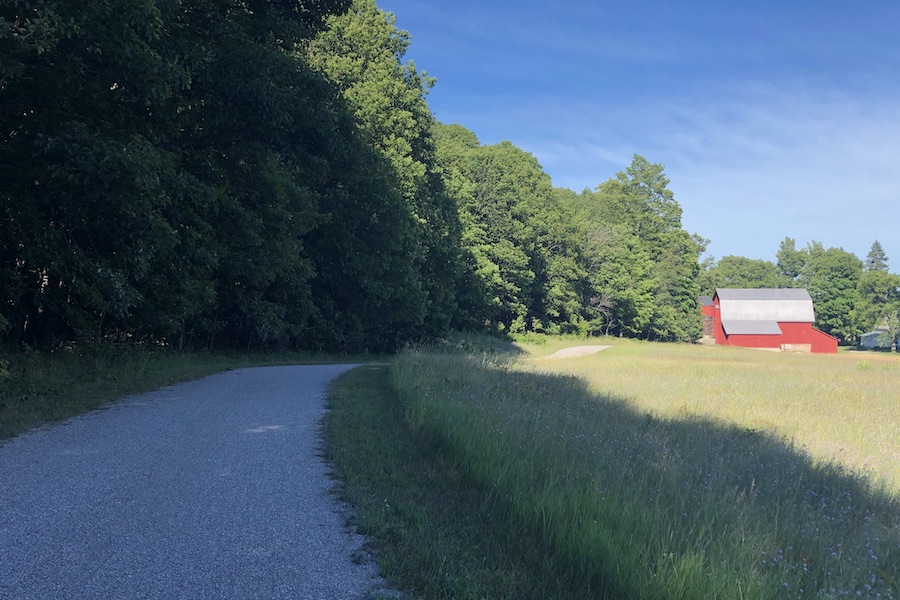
<point x="213" y="489"/>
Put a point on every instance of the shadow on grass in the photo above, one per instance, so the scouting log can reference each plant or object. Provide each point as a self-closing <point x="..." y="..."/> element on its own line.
<point x="506" y="473"/>
<point x="434" y="532"/>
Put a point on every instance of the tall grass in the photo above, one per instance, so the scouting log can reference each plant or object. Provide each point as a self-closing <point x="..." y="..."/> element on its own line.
<point x="431" y="529"/>
<point x="638" y="505"/>
<point x="843" y="408"/>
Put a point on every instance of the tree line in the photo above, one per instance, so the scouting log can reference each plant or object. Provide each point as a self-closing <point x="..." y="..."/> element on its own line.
<point x="851" y="296"/>
<point x="269" y="173"/>
<point x="210" y="173"/>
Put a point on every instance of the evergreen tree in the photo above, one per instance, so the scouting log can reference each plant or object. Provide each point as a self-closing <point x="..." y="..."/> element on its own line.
<point x="876" y="259"/>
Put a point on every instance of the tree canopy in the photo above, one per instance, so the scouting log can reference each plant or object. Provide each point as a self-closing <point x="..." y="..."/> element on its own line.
<point x="741" y="272"/>
<point x="269" y="173"/>
<point x="633" y="227"/>
<point x="178" y="174"/>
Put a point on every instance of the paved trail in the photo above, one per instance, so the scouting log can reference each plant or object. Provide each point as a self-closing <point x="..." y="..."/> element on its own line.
<point x="208" y="490"/>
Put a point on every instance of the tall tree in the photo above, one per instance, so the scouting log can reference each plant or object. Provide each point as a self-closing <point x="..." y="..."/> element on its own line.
<point x="508" y="184"/>
<point x="363" y="53"/>
<point x="86" y="184"/>
<point x="454" y="148"/>
<point x="639" y="200"/>
<point x="620" y="275"/>
<point x="832" y="276"/>
<point x="790" y="261"/>
<point x="878" y="299"/>
<point x="269" y="154"/>
<point x="523" y="240"/>
<point x="495" y="228"/>
<point x="876" y="259"/>
<point x="892" y="324"/>
<point x="173" y="170"/>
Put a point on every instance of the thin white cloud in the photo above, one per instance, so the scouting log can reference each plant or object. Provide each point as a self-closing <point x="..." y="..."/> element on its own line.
<point x="824" y="168"/>
<point x="772" y="121"/>
<point x="749" y="169"/>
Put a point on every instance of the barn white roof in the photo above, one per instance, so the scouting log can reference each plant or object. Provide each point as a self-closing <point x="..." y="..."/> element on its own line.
<point x="758" y="311"/>
<point x="751" y="327"/>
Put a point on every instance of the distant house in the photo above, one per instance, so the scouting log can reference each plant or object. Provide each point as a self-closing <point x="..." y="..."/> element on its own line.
<point x="779" y="319"/>
<point x="875" y="339"/>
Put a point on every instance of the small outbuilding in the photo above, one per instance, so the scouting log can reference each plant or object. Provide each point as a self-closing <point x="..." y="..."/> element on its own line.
<point x="875" y="339"/>
<point x="776" y="319"/>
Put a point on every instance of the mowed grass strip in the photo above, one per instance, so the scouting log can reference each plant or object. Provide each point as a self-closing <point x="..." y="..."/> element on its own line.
<point x="626" y="504"/>
<point x="436" y="532"/>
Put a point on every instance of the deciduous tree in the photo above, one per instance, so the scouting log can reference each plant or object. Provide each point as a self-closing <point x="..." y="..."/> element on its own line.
<point x="741" y="272"/>
<point x="831" y="277"/>
<point x="363" y="53"/>
<point x="790" y="261"/>
<point x="638" y="200"/>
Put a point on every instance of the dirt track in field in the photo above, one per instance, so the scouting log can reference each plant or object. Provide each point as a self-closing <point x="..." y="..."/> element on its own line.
<point x="576" y="351"/>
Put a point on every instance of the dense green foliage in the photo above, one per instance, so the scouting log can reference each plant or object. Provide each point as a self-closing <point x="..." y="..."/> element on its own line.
<point x="878" y="295"/>
<point x="362" y="53"/>
<point x="176" y="174"/>
<point x="831" y="277"/>
<point x="613" y="260"/>
<point x="269" y="174"/>
<point x="648" y="278"/>
<point x="741" y="272"/>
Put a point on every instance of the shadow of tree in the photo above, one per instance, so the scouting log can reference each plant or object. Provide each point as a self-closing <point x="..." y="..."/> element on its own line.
<point x="639" y="506"/>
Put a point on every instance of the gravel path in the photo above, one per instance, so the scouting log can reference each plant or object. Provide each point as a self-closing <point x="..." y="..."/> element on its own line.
<point x="211" y="490"/>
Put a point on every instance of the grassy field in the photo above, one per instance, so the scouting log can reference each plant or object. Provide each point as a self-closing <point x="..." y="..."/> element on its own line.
<point x="843" y="408"/>
<point x="627" y="473"/>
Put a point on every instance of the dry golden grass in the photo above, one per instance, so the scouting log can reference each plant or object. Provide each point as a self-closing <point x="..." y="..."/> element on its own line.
<point x="704" y="500"/>
<point x="843" y="408"/>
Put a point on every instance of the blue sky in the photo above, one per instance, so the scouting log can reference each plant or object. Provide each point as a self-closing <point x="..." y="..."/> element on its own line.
<point x="772" y="119"/>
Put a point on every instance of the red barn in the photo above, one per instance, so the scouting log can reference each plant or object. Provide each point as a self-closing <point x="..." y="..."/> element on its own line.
<point x="779" y="319"/>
